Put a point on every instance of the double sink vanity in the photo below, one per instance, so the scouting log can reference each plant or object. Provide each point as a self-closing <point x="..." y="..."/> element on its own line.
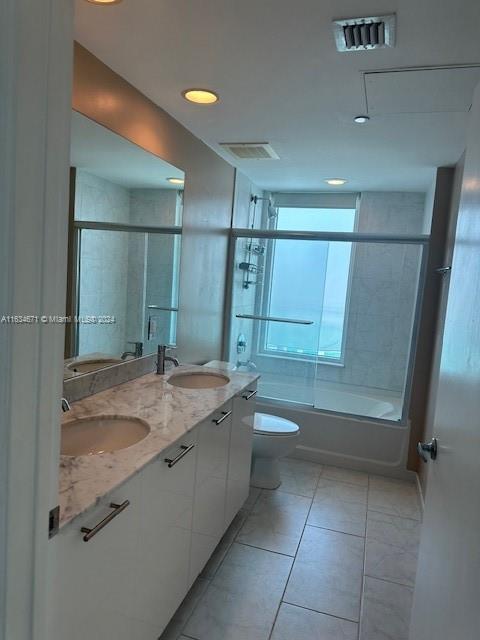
<point x="152" y="473"/>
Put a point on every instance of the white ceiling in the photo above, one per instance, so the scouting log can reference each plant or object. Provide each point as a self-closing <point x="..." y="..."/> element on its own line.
<point x="107" y="155"/>
<point x="281" y="81"/>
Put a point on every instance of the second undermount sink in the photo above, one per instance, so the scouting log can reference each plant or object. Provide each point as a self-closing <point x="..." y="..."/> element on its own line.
<point x="101" y="434"/>
<point x="198" y="380"/>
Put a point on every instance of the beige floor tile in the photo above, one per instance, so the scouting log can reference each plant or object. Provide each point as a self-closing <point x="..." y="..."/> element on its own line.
<point x="346" y="517"/>
<point x="295" y="623"/>
<point x="327" y="573"/>
<point x="392" y="548"/>
<point x="385" y="611"/>
<point x="394" y="497"/>
<point x="276" y="522"/>
<point x="242" y="600"/>
<point x="299" y="477"/>
<point x="331" y="490"/>
<point x="345" y="475"/>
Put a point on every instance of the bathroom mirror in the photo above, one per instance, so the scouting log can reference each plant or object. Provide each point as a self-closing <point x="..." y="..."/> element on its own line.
<point x="124" y="249"/>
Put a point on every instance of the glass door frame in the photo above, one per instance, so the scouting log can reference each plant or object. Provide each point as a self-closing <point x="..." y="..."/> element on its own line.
<point x="421" y="240"/>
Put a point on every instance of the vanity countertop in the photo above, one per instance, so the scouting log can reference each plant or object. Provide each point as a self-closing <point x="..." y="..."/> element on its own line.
<point x="170" y="411"/>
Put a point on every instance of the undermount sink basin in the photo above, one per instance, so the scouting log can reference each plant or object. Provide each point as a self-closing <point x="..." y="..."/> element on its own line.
<point x="93" y="364"/>
<point x="198" y="380"/>
<point x="101" y="434"/>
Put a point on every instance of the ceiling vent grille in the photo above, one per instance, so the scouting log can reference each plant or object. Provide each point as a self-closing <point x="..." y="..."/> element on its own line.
<point x="250" y="150"/>
<point x="362" y="34"/>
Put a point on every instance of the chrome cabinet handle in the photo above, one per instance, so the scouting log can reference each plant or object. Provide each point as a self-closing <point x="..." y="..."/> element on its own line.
<point x="428" y="447"/>
<point x="171" y="462"/>
<point x="250" y="394"/>
<point x="117" y="509"/>
<point x="225" y="415"/>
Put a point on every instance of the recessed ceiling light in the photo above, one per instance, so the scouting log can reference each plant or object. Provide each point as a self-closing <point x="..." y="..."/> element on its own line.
<point x="361" y="119"/>
<point x="200" y="96"/>
<point x="336" y="182"/>
<point x="104" y="1"/>
<point x="176" y="180"/>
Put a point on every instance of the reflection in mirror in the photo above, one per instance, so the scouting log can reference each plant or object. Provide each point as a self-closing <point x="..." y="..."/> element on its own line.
<point x="124" y="250"/>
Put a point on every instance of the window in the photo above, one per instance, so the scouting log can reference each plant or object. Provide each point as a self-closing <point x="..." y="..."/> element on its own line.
<point x="308" y="280"/>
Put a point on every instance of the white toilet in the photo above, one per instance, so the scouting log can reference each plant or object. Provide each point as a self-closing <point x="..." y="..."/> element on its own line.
<point x="273" y="438"/>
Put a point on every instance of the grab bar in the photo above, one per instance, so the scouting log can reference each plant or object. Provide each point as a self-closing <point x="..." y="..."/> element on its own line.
<point x="156" y="306"/>
<point x="246" y="316"/>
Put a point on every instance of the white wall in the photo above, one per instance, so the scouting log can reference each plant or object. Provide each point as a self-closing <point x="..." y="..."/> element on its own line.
<point x="35" y="110"/>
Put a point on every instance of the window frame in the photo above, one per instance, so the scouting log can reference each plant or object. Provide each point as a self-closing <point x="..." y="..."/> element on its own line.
<point x="262" y="301"/>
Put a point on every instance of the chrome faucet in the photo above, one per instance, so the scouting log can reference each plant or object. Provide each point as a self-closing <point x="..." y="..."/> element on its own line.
<point x="65" y="405"/>
<point x="162" y="358"/>
<point x="136" y="354"/>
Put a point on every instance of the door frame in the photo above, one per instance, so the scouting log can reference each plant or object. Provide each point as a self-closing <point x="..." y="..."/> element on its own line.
<point x="36" y="46"/>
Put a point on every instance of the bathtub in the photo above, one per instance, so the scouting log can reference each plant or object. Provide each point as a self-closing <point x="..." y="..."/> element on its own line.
<point x="374" y="446"/>
<point x="357" y="404"/>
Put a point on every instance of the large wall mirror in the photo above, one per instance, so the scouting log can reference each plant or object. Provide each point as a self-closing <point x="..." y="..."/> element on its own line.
<point x="124" y="249"/>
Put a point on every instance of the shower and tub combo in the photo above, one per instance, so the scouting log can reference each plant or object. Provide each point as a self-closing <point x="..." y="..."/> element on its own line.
<point x="329" y="319"/>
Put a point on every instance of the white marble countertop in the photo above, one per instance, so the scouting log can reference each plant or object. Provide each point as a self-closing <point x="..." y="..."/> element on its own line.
<point x="170" y="412"/>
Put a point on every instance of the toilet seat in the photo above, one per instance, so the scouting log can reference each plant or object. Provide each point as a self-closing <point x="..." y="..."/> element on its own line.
<point x="274" y="426"/>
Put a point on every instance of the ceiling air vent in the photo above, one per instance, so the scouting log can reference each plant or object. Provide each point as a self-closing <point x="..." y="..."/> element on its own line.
<point x="250" y="150"/>
<point x="360" y="34"/>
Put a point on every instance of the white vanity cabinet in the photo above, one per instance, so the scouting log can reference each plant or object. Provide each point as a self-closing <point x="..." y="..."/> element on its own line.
<point x="165" y="529"/>
<point x="94" y="584"/>
<point x="129" y="578"/>
<point x="240" y="452"/>
<point x="210" y="486"/>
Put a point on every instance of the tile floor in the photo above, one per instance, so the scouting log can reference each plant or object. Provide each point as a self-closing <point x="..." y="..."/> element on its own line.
<point x="330" y="555"/>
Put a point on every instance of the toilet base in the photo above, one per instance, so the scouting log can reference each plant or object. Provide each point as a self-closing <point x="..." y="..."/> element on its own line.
<point x="265" y="473"/>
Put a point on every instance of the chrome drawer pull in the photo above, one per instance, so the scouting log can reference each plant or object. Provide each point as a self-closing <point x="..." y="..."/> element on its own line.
<point x="184" y="450"/>
<point x="117" y="508"/>
<point x="250" y="394"/>
<point x="224" y="417"/>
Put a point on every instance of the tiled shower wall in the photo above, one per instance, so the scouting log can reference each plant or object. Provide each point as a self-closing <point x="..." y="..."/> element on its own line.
<point x="120" y="289"/>
<point x="103" y="290"/>
<point x="383" y="295"/>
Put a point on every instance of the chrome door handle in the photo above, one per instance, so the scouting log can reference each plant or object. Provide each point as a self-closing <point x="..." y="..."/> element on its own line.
<point x="225" y="415"/>
<point x="184" y="450"/>
<point x="428" y="447"/>
<point x="117" y="509"/>
<point x="250" y="394"/>
<point x="443" y="270"/>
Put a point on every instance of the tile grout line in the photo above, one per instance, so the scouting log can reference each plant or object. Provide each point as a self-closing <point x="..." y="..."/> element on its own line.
<point x="322" y="613"/>
<point x="362" y="591"/>
<point x="294" y="557"/>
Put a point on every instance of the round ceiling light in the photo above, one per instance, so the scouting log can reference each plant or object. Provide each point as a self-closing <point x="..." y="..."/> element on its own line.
<point x="200" y="96"/>
<point x="104" y="1"/>
<point x="176" y="180"/>
<point x="336" y="182"/>
<point x="361" y="119"/>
